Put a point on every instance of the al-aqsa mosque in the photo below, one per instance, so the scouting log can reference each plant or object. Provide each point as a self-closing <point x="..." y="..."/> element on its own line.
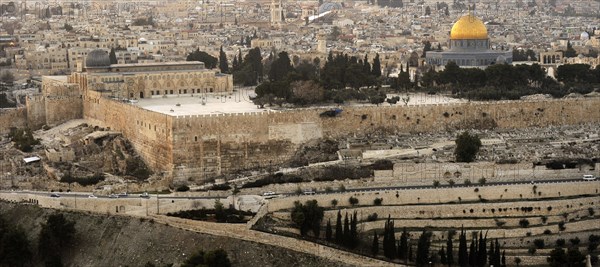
<point x="469" y="46"/>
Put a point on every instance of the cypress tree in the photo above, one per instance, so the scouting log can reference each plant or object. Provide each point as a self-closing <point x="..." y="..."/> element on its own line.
<point x="234" y="64"/>
<point x="223" y="64"/>
<point x="376" y="66"/>
<point x="410" y="253"/>
<point x="240" y="58"/>
<point x="442" y="253"/>
<point x="113" y="56"/>
<point x="482" y="250"/>
<point x="491" y="255"/>
<point x="389" y="246"/>
<point x="503" y="264"/>
<point x="463" y="256"/>
<point x="423" y="248"/>
<point x="366" y="65"/>
<point x="473" y="251"/>
<point x="328" y="231"/>
<point x="449" y="256"/>
<point x="339" y="236"/>
<point x="353" y="232"/>
<point x="375" y="245"/>
<point x="403" y="246"/>
<point x="346" y="231"/>
<point x="497" y="257"/>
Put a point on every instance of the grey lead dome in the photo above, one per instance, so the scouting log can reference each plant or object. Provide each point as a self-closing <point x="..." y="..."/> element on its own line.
<point x="97" y="58"/>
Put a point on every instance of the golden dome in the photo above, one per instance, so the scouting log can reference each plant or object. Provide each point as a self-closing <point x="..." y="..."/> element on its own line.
<point x="468" y="27"/>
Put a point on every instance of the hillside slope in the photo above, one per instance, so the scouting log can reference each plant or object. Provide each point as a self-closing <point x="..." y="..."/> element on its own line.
<point x="122" y="241"/>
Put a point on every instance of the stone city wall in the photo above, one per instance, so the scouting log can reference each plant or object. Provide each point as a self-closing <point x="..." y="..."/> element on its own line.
<point x="148" y="131"/>
<point x="445" y="195"/>
<point x="426" y="173"/>
<point x="62" y="109"/>
<point x="199" y="138"/>
<point x="12" y="117"/>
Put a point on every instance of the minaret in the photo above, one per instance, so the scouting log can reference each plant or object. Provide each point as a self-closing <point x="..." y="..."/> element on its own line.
<point x="276" y="13"/>
<point x="322" y="43"/>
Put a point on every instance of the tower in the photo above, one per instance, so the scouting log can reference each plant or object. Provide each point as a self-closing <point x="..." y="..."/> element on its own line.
<point x="322" y="43"/>
<point x="277" y="18"/>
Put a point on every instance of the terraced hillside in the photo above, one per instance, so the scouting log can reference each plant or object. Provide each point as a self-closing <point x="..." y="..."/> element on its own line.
<point x="521" y="217"/>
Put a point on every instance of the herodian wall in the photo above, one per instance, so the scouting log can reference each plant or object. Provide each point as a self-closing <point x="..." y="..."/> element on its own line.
<point x="12" y="118"/>
<point x="206" y="145"/>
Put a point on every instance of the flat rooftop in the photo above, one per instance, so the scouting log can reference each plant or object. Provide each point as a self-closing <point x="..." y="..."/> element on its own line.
<point x="239" y="102"/>
<point x="201" y="104"/>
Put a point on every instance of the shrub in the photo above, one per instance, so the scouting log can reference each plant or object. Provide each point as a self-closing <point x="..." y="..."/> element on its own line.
<point x="539" y="243"/>
<point x="524" y="223"/>
<point x="591" y="211"/>
<point x="382" y="164"/>
<point x="220" y="187"/>
<point x="482" y="181"/>
<point x="549" y="208"/>
<point x="547" y="232"/>
<point x="23" y="139"/>
<point x="467" y="182"/>
<point x="353" y="201"/>
<point x="560" y="242"/>
<point x="451" y="182"/>
<point x="377" y="201"/>
<point x="531" y="251"/>
<point x="372" y="217"/>
<point x="334" y="202"/>
<point x="436" y="183"/>
<point x="575" y="241"/>
<point x="500" y="223"/>
<point x="544" y="219"/>
<point x="328" y="189"/>
<point x="561" y="226"/>
<point x="183" y="188"/>
<point x="342" y="188"/>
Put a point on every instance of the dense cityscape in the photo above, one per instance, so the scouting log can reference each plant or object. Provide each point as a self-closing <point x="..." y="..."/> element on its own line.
<point x="300" y="133"/>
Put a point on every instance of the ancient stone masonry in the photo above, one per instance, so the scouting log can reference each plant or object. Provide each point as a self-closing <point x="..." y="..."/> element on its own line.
<point x="200" y="146"/>
<point x="12" y="117"/>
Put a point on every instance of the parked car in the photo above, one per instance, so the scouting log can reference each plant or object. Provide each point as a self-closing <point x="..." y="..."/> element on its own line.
<point x="92" y="196"/>
<point x="123" y="195"/>
<point x="113" y="196"/>
<point x="145" y="195"/>
<point x="589" y="177"/>
<point x="54" y="195"/>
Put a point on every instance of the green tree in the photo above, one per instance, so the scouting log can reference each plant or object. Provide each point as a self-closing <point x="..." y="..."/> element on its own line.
<point x="223" y="64"/>
<point x="557" y="257"/>
<point x="426" y="48"/>
<point x="353" y="231"/>
<point x="339" y="234"/>
<point x="353" y="201"/>
<point x="375" y="244"/>
<point x="376" y="71"/>
<point x="55" y="235"/>
<point x="463" y="256"/>
<point x="467" y="147"/>
<point x="403" y="246"/>
<point x="67" y="27"/>
<point x="23" y="139"/>
<point x="570" y="52"/>
<point x="308" y="217"/>
<point x="389" y="239"/>
<point x="112" y="56"/>
<point x="281" y="67"/>
<point x="423" y="246"/>
<point x="449" y="250"/>
<point x="328" y="231"/>
<point x="216" y="258"/>
<point x="15" y="248"/>
<point x="210" y="62"/>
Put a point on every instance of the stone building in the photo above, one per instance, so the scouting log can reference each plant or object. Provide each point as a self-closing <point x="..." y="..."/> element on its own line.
<point x="469" y="46"/>
<point x="143" y="80"/>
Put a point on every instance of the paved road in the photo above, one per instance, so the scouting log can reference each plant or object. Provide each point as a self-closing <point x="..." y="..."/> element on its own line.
<point x="363" y="189"/>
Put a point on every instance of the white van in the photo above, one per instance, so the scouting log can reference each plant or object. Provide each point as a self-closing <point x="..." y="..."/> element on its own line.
<point x="589" y="177"/>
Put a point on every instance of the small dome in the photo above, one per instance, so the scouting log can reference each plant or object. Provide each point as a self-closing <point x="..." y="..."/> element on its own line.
<point x="97" y="58"/>
<point x="329" y="6"/>
<point x="469" y="27"/>
<point x="584" y="36"/>
<point x="500" y="59"/>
